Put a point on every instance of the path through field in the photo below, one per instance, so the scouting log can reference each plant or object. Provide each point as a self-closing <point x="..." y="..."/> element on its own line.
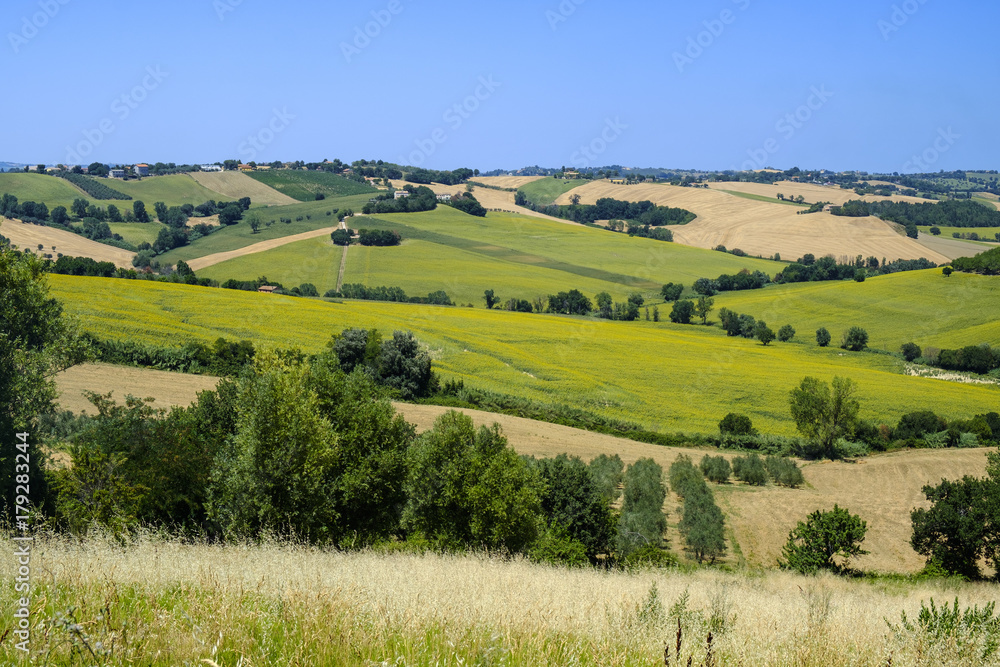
<point x="881" y="489"/>
<point x="209" y="260"/>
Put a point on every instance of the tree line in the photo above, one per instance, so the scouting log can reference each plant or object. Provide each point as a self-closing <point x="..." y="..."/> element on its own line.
<point x="949" y="213"/>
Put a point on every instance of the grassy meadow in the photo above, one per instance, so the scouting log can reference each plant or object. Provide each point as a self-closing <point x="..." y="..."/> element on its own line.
<point x="140" y="232"/>
<point x="665" y="376"/>
<point x="164" y="603"/>
<point x="172" y="190"/>
<point x="924" y="307"/>
<point x="51" y="190"/>
<point x="305" y="185"/>
<point x="985" y="233"/>
<point x="545" y="191"/>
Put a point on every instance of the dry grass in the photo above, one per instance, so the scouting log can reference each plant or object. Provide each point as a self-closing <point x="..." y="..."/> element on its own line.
<point x="23" y="235"/>
<point x="810" y="192"/>
<point x="763" y="228"/>
<point x="507" y="181"/>
<point x="165" y="387"/>
<point x="160" y="602"/>
<point x="497" y="199"/>
<point x="216" y="258"/>
<point x="236" y="184"/>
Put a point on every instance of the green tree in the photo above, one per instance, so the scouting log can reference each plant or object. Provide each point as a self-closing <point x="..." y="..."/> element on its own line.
<point x="671" y="292"/>
<point x="59" y="215"/>
<point x="490" y="299"/>
<point x="341" y="237"/>
<point x="161" y="211"/>
<point x="750" y="469"/>
<point x="573" y="501"/>
<point x="466" y="487"/>
<point x="910" y="351"/>
<point x="936" y="231"/>
<point x="736" y="424"/>
<point x="947" y="271"/>
<point x="36" y="342"/>
<point x="607" y="473"/>
<point x="786" y="333"/>
<point x="822" y="414"/>
<point x="682" y="311"/>
<point x="642" y="520"/>
<point x="814" y="544"/>
<point x="703" y="526"/>
<point x="138" y="210"/>
<point x="763" y="333"/>
<point x="604" y="305"/>
<point x="715" y="468"/>
<point x="855" y="340"/>
<point x="404" y="367"/>
<point x="822" y="337"/>
<point x="254" y="221"/>
<point x="703" y="307"/>
<point x="79" y="207"/>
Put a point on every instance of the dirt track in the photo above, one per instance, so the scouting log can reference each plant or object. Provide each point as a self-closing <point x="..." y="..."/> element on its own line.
<point x="210" y="260"/>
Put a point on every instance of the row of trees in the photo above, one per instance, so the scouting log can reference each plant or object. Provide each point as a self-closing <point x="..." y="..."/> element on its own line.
<point x="985" y="263"/>
<point x="381" y="293"/>
<point x="950" y="213"/>
<point x="419" y="199"/>
<point x="702" y="524"/>
<point x="643" y="213"/>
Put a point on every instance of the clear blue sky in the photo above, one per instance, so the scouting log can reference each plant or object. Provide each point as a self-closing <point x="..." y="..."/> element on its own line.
<point x="195" y="80"/>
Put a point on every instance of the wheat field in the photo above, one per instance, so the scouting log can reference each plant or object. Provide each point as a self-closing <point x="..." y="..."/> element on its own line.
<point x="23" y="235"/>
<point x="763" y="228"/>
<point x="157" y="601"/>
<point x="236" y="184"/>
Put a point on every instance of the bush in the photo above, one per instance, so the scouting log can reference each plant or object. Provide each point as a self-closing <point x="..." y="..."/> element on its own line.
<point x="682" y="311"/>
<point x="784" y="471"/>
<point x="684" y="477"/>
<point x="855" y="340"/>
<point x="910" y="351"/>
<point x="736" y="424"/>
<point x="822" y="337"/>
<point x="556" y="547"/>
<point x="716" y="469"/>
<point x="786" y="333"/>
<point x="813" y="544"/>
<point x="341" y="237"/>
<point x="750" y="469"/>
<point x="917" y="424"/>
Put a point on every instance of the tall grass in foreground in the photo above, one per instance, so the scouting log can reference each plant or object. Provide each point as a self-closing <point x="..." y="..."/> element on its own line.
<point x="162" y="602"/>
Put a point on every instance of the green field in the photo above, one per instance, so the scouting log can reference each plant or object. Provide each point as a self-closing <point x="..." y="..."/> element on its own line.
<point x="305" y="185"/>
<point x="919" y="306"/>
<point x="545" y="191"/>
<point x="240" y="235"/>
<point x="138" y="232"/>
<point x="315" y="261"/>
<point x="667" y="377"/>
<point x="172" y="190"/>
<point x="51" y="190"/>
<point x="985" y="233"/>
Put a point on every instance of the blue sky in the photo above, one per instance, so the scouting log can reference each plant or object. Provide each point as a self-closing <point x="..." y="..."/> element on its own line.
<point x="879" y="86"/>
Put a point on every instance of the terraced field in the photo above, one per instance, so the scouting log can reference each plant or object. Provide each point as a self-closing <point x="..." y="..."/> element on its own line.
<point x="893" y="309"/>
<point x="667" y="377"/>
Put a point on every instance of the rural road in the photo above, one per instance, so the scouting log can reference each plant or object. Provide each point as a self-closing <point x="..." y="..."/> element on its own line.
<point x="216" y="258"/>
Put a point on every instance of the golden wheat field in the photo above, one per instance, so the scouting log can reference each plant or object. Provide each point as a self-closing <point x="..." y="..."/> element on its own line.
<point x="163" y="602"/>
<point x="236" y="184"/>
<point x="55" y="241"/>
<point x="507" y="181"/>
<point x="810" y="192"/>
<point x="763" y="228"/>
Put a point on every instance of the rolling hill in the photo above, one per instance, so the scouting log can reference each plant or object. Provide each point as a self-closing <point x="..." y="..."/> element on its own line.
<point x="235" y="185"/>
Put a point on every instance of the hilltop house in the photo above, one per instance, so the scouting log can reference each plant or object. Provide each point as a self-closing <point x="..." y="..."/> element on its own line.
<point x="245" y="167"/>
<point x="141" y="170"/>
<point x="116" y="173"/>
<point x="267" y="289"/>
<point x="399" y="194"/>
<point x="444" y="197"/>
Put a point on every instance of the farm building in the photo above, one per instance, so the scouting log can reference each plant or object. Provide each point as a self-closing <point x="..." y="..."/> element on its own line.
<point x="245" y="167"/>
<point x="116" y="173"/>
<point x="142" y="170"/>
<point x="399" y="194"/>
<point x="267" y="289"/>
<point x="444" y="197"/>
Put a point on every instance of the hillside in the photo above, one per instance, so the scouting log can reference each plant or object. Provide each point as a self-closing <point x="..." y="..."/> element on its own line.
<point x="49" y="190"/>
<point x="810" y="192"/>
<point x="882" y="489"/>
<point x="665" y="376"/>
<point x="892" y="308"/>
<point x="235" y="185"/>
<point x="306" y="185"/>
<point x="763" y="228"/>
<point x="57" y="241"/>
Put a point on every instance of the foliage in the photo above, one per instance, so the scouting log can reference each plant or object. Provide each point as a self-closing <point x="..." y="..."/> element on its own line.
<point x="671" y="292"/>
<point x="736" y="424"/>
<point x="341" y="237"/>
<point x="570" y="303"/>
<point x="682" y="311"/>
<point x="555" y="546"/>
<point x="822" y="414"/>
<point x="855" y="339"/>
<point x="763" y="333"/>
<point x="378" y="237"/>
<point x="703" y="525"/>
<point x="642" y="520"/>
<point x="986" y="263"/>
<point x="703" y="307"/>
<point x="910" y="351"/>
<point x="948" y="213"/>
<point x="607" y="472"/>
<point x="822" y="337"/>
<point x="786" y="333"/>
<point x="750" y="469"/>
<point x="404" y="367"/>
<point x="784" y="471"/>
<point x="715" y="468"/>
<point x="814" y="544"/>
<point x="93" y="187"/>
<point x="573" y="501"/>
<point x="468" y="487"/>
<point x="970" y="635"/>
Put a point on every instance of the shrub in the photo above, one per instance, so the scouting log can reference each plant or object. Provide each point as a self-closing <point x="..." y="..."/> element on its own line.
<point x="784" y="471"/>
<point x="736" y="424"/>
<point x="786" y="333"/>
<point x="822" y="337"/>
<point x="682" y="311"/>
<point x="750" y="469"/>
<point x="813" y="544"/>
<point x="716" y="469"/>
<point x="855" y="340"/>
<point x="910" y="351"/>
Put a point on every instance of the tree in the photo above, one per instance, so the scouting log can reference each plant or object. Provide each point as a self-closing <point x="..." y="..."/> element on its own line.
<point x="573" y="501"/>
<point x="822" y="414"/>
<point x="703" y="526"/>
<point x="703" y="307"/>
<point x="814" y="544"/>
<point x="490" y="299"/>
<point x="35" y="344"/>
<point x="467" y="487"/>
<point x="763" y="333"/>
<point x="936" y="231"/>
<point x="254" y="222"/>
<point x="671" y="292"/>
<point x="574" y="199"/>
<point x="607" y="473"/>
<point x="736" y="424"/>
<point x="79" y="207"/>
<point x="961" y="526"/>
<point x="341" y="237"/>
<point x="910" y="351"/>
<point x="403" y="366"/>
<point x="860" y="275"/>
<point x="604" y="305"/>
<point x="706" y="287"/>
<point x="715" y="468"/>
<point x="139" y="211"/>
<point x="822" y="337"/>
<point x="682" y="311"/>
<point x="786" y="333"/>
<point x="855" y="340"/>
<point x="59" y="215"/>
<point x="231" y="214"/>
<point x="642" y="520"/>
<point x="161" y="211"/>
<point x="947" y="271"/>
